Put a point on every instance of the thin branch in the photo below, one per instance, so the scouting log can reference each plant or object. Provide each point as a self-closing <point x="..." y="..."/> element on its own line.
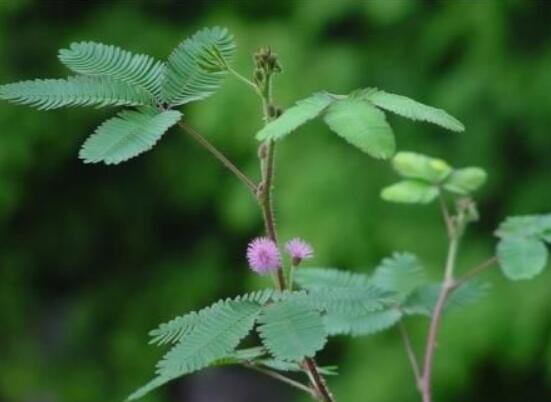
<point x="410" y="352"/>
<point x="282" y="378"/>
<point x="447" y="288"/>
<point x="244" y="79"/>
<point x="475" y="271"/>
<point x="219" y="155"/>
<point x="445" y="213"/>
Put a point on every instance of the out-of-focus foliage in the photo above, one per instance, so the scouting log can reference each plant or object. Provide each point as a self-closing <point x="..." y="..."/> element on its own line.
<point x="93" y="257"/>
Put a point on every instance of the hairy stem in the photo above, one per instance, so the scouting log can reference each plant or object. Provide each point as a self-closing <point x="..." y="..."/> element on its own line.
<point x="219" y="155"/>
<point x="265" y="191"/>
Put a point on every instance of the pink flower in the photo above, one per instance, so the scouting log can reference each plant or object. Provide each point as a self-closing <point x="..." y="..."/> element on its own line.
<point x="263" y="255"/>
<point x="299" y="250"/>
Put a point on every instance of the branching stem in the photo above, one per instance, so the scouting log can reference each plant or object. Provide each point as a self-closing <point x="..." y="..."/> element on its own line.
<point x="264" y="195"/>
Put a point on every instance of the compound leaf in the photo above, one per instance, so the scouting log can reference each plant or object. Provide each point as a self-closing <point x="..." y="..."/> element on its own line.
<point x="218" y="332"/>
<point x="196" y="68"/>
<point x="127" y="135"/>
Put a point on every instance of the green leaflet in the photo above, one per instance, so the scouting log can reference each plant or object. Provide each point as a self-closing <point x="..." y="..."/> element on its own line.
<point x="97" y="59"/>
<point x="538" y="226"/>
<point x="361" y="324"/>
<point x="401" y="273"/>
<point x="219" y="331"/>
<point x="521" y="258"/>
<point x="295" y="116"/>
<point x="426" y="176"/>
<point x="292" y="331"/>
<point x="75" y="91"/>
<point x="410" y="192"/>
<point x="411" y="109"/>
<point x="465" y="181"/>
<point x="363" y="126"/>
<point x="416" y="166"/>
<point x="127" y="135"/>
<point x="189" y="75"/>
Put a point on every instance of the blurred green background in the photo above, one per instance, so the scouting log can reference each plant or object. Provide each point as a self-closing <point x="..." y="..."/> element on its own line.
<point x="92" y="257"/>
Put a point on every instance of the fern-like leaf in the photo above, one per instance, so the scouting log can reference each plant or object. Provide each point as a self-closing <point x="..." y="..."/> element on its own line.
<point x="97" y="59"/>
<point x="411" y="109"/>
<point x="292" y="330"/>
<point x="75" y="91"/>
<point x="127" y="135"/>
<point x="176" y="329"/>
<point x="189" y="75"/>
<point x="218" y="332"/>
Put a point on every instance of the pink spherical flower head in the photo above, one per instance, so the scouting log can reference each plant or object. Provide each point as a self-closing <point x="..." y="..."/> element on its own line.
<point x="299" y="250"/>
<point x="263" y="256"/>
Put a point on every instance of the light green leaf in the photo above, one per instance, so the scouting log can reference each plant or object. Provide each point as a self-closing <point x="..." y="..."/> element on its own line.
<point x="417" y="166"/>
<point x="402" y="273"/>
<point x="410" y="192"/>
<point x="526" y="226"/>
<point x="295" y="116"/>
<point x="465" y="181"/>
<point x="521" y="258"/>
<point x="97" y="59"/>
<point x="363" y="126"/>
<point x="411" y="109"/>
<point x="361" y="324"/>
<point x="292" y="331"/>
<point x="75" y="91"/>
<point x="127" y="135"/>
<point x="189" y="75"/>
